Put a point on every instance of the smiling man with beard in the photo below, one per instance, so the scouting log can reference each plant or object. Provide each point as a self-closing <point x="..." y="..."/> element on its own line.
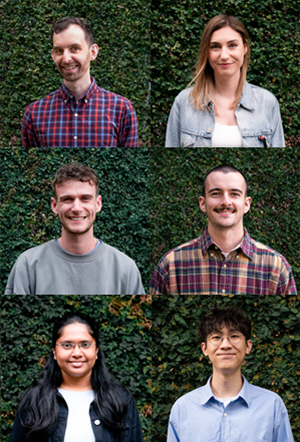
<point x="79" y="114"/>
<point x="77" y="262"/>
<point x="228" y="408"/>
<point x="224" y="260"/>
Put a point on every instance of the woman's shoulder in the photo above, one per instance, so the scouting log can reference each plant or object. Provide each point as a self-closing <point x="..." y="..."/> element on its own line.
<point x="183" y="96"/>
<point x="259" y="93"/>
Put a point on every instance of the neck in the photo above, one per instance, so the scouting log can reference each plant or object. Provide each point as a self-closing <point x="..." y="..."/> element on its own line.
<point x="226" y="385"/>
<point x="79" y="87"/>
<point x="76" y="384"/>
<point x="79" y="244"/>
<point x="226" y="239"/>
<point x="226" y="87"/>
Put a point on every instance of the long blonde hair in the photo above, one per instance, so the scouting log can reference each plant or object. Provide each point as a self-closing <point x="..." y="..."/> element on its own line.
<point x="202" y="92"/>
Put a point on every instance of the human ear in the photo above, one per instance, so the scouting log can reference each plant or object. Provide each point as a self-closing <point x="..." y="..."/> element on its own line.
<point x="94" y="51"/>
<point x="248" y="346"/>
<point x="247" y="204"/>
<point x="202" y="203"/>
<point x="54" y="355"/>
<point x="204" y="349"/>
<point x="98" y="203"/>
<point x="54" y="205"/>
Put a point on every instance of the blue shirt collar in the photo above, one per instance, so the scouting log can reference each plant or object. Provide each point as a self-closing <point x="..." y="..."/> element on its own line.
<point x="244" y="394"/>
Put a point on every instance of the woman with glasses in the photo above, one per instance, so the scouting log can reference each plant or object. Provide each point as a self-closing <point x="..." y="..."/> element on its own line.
<point x="76" y="401"/>
<point x="222" y="109"/>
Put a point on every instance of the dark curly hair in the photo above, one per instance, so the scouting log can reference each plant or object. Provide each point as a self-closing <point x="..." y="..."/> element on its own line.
<point x="217" y="318"/>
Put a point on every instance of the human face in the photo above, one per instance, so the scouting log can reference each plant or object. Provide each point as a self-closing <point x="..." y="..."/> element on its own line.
<point x="225" y="200"/>
<point x="77" y="362"/>
<point x="226" y="52"/>
<point x="76" y="204"/>
<point x="227" y="358"/>
<point x="72" y="54"/>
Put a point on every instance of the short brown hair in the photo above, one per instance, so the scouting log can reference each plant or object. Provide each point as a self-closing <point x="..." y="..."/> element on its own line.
<point x="77" y="172"/>
<point x="225" y="168"/>
<point x="202" y="91"/>
<point x="63" y="24"/>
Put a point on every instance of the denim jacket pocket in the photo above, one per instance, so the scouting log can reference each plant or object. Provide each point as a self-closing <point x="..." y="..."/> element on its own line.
<point x="188" y="139"/>
<point x="260" y="138"/>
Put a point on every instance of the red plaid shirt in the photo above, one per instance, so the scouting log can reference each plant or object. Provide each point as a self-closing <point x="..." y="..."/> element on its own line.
<point x="99" y="119"/>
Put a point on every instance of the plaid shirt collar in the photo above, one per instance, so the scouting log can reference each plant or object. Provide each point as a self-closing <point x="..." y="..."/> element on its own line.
<point x="66" y="94"/>
<point x="206" y="242"/>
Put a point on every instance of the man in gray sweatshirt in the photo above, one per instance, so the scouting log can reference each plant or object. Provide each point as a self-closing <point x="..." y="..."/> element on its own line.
<point x="77" y="262"/>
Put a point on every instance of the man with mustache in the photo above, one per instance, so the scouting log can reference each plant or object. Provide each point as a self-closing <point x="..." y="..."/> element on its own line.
<point x="224" y="260"/>
<point x="228" y="408"/>
<point x="77" y="262"/>
<point x="79" y="114"/>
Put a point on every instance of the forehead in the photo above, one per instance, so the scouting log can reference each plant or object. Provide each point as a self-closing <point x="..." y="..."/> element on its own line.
<point x="75" y="332"/>
<point x="75" y="187"/>
<point x="226" y="329"/>
<point x="225" y="181"/>
<point x="70" y="36"/>
<point x="225" y="34"/>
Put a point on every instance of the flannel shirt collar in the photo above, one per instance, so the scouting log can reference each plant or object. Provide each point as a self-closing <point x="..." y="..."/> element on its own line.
<point x="66" y="94"/>
<point x="246" y="245"/>
<point x="244" y="394"/>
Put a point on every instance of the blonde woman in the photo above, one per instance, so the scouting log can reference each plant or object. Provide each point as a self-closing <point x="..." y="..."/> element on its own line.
<point x="222" y="109"/>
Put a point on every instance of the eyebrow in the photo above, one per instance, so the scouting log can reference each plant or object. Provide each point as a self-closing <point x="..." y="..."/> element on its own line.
<point x="89" y="195"/>
<point x="72" y="44"/>
<point x="230" y="41"/>
<point x="231" y="190"/>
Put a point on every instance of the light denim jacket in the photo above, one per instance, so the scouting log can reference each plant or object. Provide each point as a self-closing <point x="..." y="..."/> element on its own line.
<point x="257" y="115"/>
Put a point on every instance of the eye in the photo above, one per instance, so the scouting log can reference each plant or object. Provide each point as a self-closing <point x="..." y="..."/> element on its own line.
<point x="233" y="45"/>
<point x="85" y="345"/>
<point x="67" y="345"/>
<point x="75" y="48"/>
<point x="214" y="47"/>
<point x="215" y="337"/>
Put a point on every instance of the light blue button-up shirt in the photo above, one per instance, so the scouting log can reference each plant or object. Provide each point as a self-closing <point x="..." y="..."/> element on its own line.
<point x="257" y="415"/>
<point x="258" y="118"/>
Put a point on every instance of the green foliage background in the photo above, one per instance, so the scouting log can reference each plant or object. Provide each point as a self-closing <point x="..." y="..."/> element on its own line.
<point x="27" y="72"/>
<point x="26" y="335"/>
<point x="274" y="31"/>
<point x="27" y="218"/>
<point x="176" y="177"/>
<point x="178" y="365"/>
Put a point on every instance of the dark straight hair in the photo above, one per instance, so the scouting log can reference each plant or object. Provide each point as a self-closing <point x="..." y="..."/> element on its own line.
<point x="38" y="408"/>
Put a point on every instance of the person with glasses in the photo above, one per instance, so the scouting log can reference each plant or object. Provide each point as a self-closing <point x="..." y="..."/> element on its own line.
<point x="228" y="408"/>
<point x="76" y="400"/>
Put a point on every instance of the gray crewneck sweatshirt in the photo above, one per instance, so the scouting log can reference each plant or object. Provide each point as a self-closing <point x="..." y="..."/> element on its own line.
<point x="50" y="270"/>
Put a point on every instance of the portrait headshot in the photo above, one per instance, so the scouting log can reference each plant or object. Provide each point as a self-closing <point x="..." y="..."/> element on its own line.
<point x="225" y="366"/>
<point x="221" y="76"/>
<point x="241" y="243"/>
<point x="81" y="84"/>
<point x="59" y="241"/>
<point x="77" y="368"/>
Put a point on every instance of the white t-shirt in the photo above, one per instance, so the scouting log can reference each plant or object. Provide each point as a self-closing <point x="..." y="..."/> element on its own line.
<point x="79" y="427"/>
<point x="226" y="136"/>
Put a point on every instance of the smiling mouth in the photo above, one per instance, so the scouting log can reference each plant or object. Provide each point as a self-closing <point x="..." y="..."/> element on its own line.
<point x="77" y="218"/>
<point x="76" y="364"/>
<point x="69" y="68"/>
<point x="226" y="211"/>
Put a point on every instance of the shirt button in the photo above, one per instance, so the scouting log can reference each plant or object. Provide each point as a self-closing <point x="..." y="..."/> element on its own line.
<point x="97" y="422"/>
<point x="223" y="291"/>
<point x="211" y="254"/>
<point x="75" y="138"/>
<point x="71" y="96"/>
<point x="225" y="266"/>
<point x="85" y="101"/>
<point x="237" y="256"/>
<point x="76" y="115"/>
<point x="225" y="414"/>
<point x="65" y="101"/>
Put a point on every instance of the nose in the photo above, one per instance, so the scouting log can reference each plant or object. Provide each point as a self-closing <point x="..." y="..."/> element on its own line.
<point x="66" y="56"/>
<point x="226" y="199"/>
<point x="76" y="205"/>
<point x="224" y="53"/>
<point x="77" y="351"/>
<point x="225" y="343"/>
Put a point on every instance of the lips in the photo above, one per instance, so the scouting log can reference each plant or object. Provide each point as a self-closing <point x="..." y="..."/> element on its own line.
<point x="77" y="364"/>
<point x="225" y="65"/>
<point x="77" y="218"/>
